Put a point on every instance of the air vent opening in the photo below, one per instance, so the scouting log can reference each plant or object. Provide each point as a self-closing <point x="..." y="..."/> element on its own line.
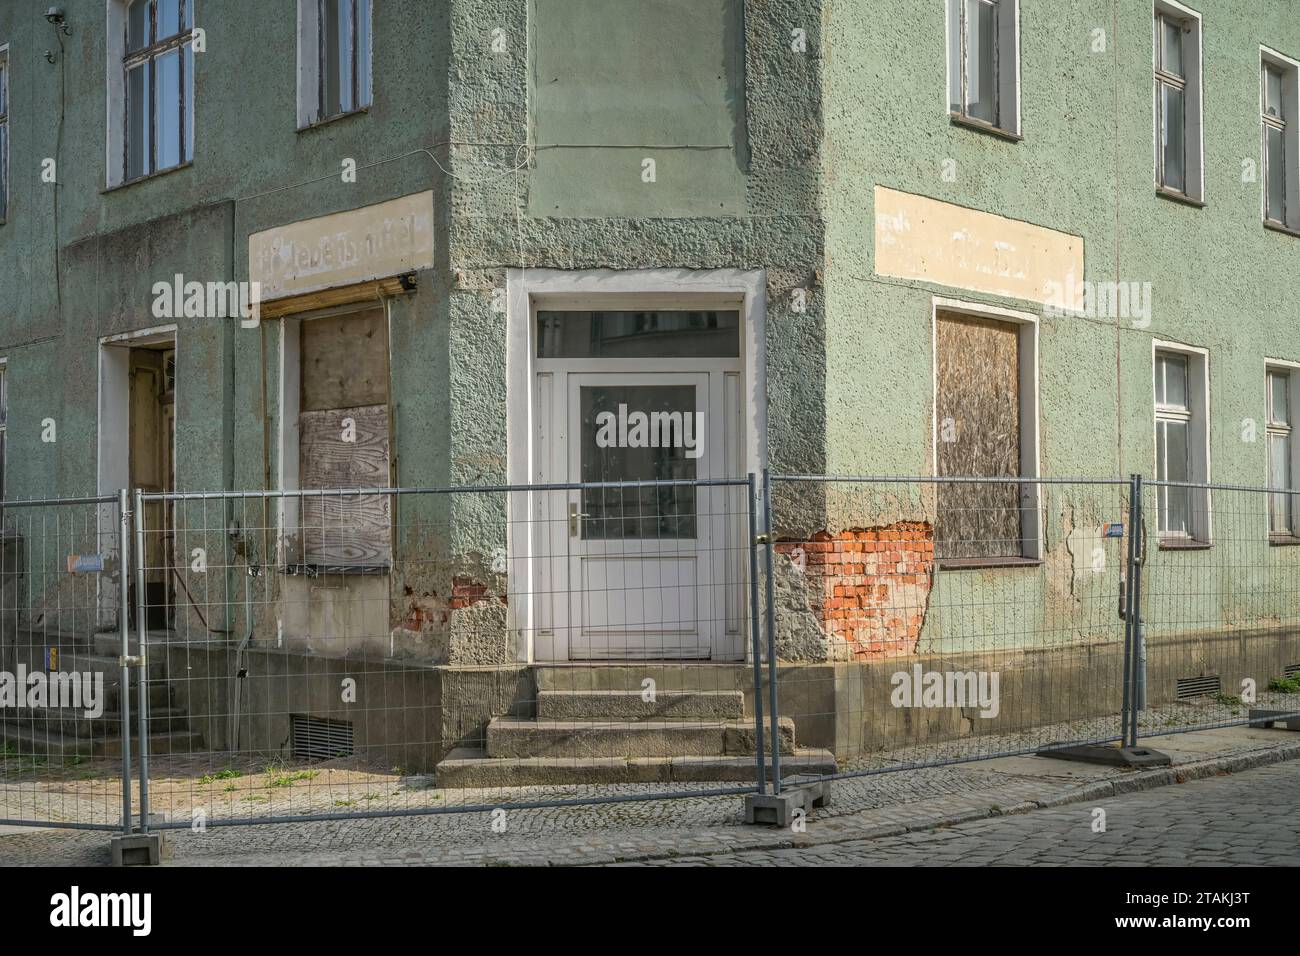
<point x="1291" y="670"/>
<point x="1189" y="687"/>
<point x="319" y="738"/>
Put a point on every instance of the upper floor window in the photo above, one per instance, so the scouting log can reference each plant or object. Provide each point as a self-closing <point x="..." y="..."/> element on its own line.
<point x="1179" y="160"/>
<point x="1278" y="145"/>
<point x="158" y="69"/>
<point x="984" y="63"/>
<point x="4" y="133"/>
<point x="4" y="424"/>
<point x="333" y="59"/>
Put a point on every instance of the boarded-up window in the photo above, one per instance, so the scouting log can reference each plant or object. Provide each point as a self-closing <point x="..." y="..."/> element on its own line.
<point x="344" y="440"/>
<point x="979" y="432"/>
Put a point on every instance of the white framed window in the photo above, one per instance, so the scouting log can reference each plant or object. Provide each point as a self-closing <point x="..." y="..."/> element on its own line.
<point x="1279" y="130"/>
<point x="986" y="425"/>
<point x="1282" y="401"/>
<point x="984" y="63"/>
<point x="150" y="87"/>
<point x="1178" y="112"/>
<point x="1181" y="376"/>
<point x="334" y="56"/>
<point x="4" y="132"/>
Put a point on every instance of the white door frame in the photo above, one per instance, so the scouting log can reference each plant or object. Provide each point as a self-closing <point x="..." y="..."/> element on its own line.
<point x="525" y="287"/>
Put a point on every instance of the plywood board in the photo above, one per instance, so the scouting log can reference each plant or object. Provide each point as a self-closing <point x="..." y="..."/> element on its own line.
<point x="345" y="361"/>
<point x="345" y="448"/>
<point x="978" y="410"/>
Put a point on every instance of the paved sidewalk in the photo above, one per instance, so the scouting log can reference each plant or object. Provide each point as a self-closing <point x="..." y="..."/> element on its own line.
<point x="870" y="808"/>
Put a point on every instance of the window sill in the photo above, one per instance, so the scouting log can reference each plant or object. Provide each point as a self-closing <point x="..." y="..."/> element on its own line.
<point x="980" y="126"/>
<point x="144" y="179"/>
<point x="1173" y="195"/>
<point x="1283" y="541"/>
<point x="975" y="564"/>
<point x="330" y="120"/>
<point x="1272" y="226"/>
<point x="1183" y="544"/>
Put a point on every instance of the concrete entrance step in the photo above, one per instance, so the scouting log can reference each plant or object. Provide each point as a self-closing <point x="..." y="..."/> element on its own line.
<point x="515" y="737"/>
<point x="692" y="676"/>
<point x="110" y="644"/>
<point x="631" y="705"/>
<point x="469" y="767"/>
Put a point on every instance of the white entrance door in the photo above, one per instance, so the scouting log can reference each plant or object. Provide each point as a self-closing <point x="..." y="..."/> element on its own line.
<point x="644" y="572"/>
<point x="642" y="564"/>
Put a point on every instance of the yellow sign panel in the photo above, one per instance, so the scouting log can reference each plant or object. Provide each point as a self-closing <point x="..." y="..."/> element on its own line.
<point x="922" y="238"/>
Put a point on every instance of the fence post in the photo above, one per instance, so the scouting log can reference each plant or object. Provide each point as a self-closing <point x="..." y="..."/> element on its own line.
<point x="754" y="627"/>
<point x="771" y="632"/>
<point x="142" y="659"/>
<point x="1135" y="615"/>
<point x="124" y="625"/>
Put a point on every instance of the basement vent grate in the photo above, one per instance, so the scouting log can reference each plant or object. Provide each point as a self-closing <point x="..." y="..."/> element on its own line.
<point x="1189" y="687"/>
<point x="317" y="738"/>
<point x="1291" y="670"/>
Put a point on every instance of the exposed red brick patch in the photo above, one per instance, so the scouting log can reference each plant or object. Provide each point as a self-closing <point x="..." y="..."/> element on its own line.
<point x="870" y="586"/>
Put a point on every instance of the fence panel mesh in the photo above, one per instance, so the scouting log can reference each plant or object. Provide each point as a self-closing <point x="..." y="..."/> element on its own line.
<point x="397" y="651"/>
<point x="1220" y="607"/>
<point x="927" y="621"/>
<point x="61" y="689"/>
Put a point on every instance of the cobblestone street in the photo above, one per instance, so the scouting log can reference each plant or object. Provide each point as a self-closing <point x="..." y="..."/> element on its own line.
<point x="1246" y="819"/>
<point x="1226" y="798"/>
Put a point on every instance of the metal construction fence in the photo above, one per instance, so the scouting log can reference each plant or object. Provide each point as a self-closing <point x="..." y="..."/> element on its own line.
<point x="316" y="654"/>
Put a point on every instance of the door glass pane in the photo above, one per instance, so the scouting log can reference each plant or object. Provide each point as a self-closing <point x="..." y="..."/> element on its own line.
<point x="1275" y="172"/>
<point x="1174" y="174"/>
<point x="167" y="78"/>
<point x="137" y="119"/>
<point x="638" y="334"/>
<point x="1273" y="93"/>
<point x="981" y="60"/>
<point x="639" y="433"/>
<point x="1172" y="47"/>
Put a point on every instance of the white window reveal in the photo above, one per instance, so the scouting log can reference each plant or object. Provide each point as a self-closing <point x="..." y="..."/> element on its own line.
<point x="334" y="54"/>
<point x="1281" y="172"/>
<point x="1179" y="151"/>
<point x="1182" y="458"/>
<point x="984" y="63"/>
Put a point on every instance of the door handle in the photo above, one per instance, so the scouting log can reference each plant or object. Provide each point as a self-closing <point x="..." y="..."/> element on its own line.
<point x="574" y="515"/>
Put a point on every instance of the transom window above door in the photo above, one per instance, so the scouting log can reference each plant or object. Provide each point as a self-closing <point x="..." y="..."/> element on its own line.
<point x="638" y="334"/>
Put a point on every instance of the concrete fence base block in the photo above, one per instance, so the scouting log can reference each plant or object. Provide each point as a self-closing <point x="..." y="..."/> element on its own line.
<point x="1108" y="754"/>
<point x="771" y="809"/>
<point x="139" y="849"/>
<point x="1289" y="719"/>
